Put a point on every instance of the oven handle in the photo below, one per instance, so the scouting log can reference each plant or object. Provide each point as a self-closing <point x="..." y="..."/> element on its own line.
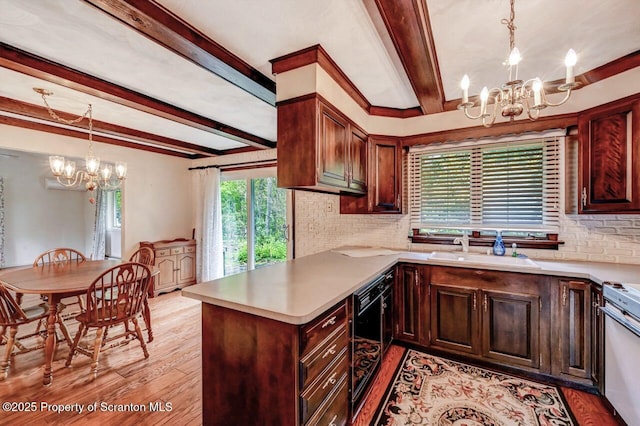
<point x="621" y="318"/>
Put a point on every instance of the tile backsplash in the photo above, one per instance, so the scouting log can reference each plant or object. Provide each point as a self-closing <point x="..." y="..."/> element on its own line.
<point x="320" y="226"/>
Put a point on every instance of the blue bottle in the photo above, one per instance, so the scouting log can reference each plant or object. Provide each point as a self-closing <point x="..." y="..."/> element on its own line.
<point x="498" y="246"/>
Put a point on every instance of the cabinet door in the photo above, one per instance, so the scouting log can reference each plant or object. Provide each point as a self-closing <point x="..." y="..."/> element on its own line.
<point x="358" y="148"/>
<point x="575" y="328"/>
<point x="333" y="143"/>
<point x="597" y="333"/>
<point x="186" y="273"/>
<point x="454" y="319"/>
<point x="511" y="328"/>
<point x="408" y="303"/>
<point x="167" y="277"/>
<point x="386" y="176"/>
<point x="610" y="158"/>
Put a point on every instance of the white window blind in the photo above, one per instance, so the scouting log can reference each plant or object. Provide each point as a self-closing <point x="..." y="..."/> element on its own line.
<point x="506" y="186"/>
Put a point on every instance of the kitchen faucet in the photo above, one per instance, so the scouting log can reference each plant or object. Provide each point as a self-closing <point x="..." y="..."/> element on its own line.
<point x="464" y="241"/>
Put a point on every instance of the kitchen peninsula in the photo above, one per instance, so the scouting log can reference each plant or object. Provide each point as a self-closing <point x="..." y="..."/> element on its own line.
<point x="268" y="333"/>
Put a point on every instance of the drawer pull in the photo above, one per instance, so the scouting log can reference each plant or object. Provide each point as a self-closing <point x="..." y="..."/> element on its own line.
<point x="330" y="321"/>
<point x="333" y="421"/>
<point x="564" y="295"/>
<point x="330" y="381"/>
<point x="330" y="351"/>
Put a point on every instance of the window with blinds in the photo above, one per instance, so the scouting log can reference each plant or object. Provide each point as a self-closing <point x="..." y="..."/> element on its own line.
<point x="506" y="186"/>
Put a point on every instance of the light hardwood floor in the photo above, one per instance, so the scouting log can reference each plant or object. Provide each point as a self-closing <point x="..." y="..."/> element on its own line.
<point x="170" y="375"/>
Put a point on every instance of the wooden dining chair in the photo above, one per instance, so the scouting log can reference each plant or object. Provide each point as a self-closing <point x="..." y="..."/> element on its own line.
<point x="61" y="256"/>
<point x="117" y="296"/>
<point x="146" y="256"/>
<point x="12" y="316"/>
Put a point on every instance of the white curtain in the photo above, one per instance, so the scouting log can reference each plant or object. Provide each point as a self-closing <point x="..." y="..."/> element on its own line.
<point x="209" y="259"/>
<point x="99" y="226"/>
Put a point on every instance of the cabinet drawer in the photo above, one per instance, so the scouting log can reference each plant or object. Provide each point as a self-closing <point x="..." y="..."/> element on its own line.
<point x="316" y="394"/>
<point x="335" y="410"/>
<point x="315" y="332"/>
<point x="177" y="250"/>
<point x="323" y="355"/>
<point x="163" y="252"/>
<point x="190" y="249"/>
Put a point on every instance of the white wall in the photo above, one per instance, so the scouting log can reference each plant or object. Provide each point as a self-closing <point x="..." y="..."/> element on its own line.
<point x="157" y="201"/>
<point x="38" y="219"/>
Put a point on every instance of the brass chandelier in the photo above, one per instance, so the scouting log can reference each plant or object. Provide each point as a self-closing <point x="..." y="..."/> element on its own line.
<point x="94" y="175"/>
<point x="516" y="96"/>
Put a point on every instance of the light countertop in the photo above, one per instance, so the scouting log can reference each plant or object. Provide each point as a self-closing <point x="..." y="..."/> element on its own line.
<point x="299" y="290"/>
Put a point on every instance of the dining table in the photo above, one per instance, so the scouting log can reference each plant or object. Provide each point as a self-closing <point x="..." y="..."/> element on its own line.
<point x="59" y="281"/>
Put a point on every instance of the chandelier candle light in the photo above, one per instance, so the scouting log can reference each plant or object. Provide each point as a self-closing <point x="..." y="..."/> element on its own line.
<point x="95" y="177"/>
<point x="516" y="96"/>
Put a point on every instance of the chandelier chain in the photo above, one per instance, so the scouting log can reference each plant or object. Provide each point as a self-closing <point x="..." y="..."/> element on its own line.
<point x="87" y="113"/>
<point x="510" y="25"/>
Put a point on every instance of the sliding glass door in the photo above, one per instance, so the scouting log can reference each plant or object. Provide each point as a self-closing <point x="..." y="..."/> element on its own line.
<point x="255" y="220"/>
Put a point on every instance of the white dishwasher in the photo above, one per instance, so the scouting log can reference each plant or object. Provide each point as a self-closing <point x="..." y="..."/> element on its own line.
<point x="622" y="349"/>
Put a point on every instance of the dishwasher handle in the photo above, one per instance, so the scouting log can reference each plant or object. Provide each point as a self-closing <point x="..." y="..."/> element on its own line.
<point x="621" y="318"/>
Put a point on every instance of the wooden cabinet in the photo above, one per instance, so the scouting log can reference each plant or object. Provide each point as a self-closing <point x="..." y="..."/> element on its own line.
<point x="176" y="261"/>
<point x="574" y="316"/>
<point x="319" y="148"/>
<point x="384" y="193"/>
<point x="511" y="328"/>
<point x="597" y="338"/>
<point x="491" y="315"/>
<point x="454" y="318"/>
<point x="262" y="371"/>
<point x="609" y="158"/>
<point x="410" y="312"/>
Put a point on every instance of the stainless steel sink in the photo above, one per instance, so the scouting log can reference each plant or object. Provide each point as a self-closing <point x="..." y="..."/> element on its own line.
<point x="482" y="259"/>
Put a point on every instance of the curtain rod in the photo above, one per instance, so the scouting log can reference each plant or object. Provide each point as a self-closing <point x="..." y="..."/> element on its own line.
<point x="223" y="166"/>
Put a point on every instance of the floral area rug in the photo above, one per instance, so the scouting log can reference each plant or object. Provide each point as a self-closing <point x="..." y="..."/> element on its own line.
<point x="429" y="390"/>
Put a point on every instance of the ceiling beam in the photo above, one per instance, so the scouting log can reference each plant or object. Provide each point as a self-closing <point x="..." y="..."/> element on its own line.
<point x="78" y="134"/>
<point x="168" y="30"/>
<point x="407" y="22"/>
<point x="27" y="63"/>
<point x="41" y="113"/>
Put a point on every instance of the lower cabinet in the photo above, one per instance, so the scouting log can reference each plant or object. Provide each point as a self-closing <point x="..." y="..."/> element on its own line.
<point x="454" y="319"/>
<point x="578" y="354"/>
<point x="597" y="339"/>
<point x="537" y="323"/>
<point x="411" y="308"/>
<point x="491" y="315"/>
<point x="259" y="371"/>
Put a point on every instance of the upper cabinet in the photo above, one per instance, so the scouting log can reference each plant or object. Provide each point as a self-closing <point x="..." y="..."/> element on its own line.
<point x="609" y="162"/>
<point x="319" y="148"/>
<point x="385" y="180"/>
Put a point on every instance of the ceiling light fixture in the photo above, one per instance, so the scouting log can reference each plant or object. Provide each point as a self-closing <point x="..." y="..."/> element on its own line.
<point x="516" y="96"/>
<point x="95" y="176"/>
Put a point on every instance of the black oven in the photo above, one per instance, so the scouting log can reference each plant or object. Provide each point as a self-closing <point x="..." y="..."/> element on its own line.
<point x="371" y="332"/>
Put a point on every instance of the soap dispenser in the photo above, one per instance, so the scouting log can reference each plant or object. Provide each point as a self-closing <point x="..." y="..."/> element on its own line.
<point x="498" y="246"/>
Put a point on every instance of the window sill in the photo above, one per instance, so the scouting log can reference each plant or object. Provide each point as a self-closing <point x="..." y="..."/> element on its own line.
<point x="549" y="243"/>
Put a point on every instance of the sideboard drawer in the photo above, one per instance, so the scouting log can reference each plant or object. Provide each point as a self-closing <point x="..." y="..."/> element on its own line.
<point x="315" y="332"/>
<point x="163" y="252"/>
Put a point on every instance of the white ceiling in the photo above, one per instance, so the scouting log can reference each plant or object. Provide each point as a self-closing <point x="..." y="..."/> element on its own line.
<point x="468" y="35"/>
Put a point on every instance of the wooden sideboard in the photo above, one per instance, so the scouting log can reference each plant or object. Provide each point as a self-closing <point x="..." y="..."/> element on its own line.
<point x="176" y="261"/>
